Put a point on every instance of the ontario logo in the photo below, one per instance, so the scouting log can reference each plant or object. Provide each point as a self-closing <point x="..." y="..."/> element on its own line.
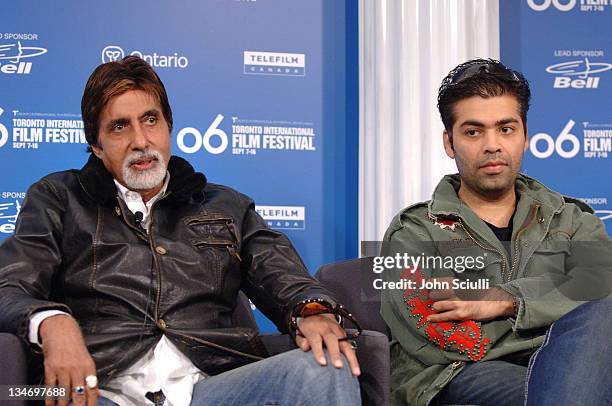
<point x="274" y="63"/>
<point x="12" y="58"/>
<point x="113" y="53"/>
<point x="283" y="217"/>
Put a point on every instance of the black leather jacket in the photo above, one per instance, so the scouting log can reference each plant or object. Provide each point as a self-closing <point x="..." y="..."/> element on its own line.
<point x="77" y="248"/>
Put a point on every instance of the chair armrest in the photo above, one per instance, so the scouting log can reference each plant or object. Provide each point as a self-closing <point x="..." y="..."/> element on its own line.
<point x="372" y="354"/>
<point x="13" y="358"/>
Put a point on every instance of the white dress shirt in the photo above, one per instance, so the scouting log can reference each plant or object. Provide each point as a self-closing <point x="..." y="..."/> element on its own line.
<point x="164" y="367"/>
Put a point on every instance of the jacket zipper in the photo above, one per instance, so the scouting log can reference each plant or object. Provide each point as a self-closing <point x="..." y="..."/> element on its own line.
<point x="533" y="214"/>
<point x="149" y="239"/>
<point x="226" y="221"/>
<point x="503" y="270"/>
<point x="156" y="261"/>
<point x="231" y="248"/>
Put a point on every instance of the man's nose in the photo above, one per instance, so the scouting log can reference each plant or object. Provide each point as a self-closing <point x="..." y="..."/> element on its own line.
<point x="139" y="138"/>
<point x="492" y="142"/>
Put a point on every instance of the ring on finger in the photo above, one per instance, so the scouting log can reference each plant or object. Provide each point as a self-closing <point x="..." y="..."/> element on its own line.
<point x="91" y="381"/>
<point x="79" y="390"/>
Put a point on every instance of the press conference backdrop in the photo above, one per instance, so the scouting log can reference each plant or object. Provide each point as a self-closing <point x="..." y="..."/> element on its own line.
<point x="564" y="47"/>
<point x="260" y="91"/>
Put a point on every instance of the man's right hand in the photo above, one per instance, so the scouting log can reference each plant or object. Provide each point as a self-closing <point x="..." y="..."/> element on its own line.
<point x="67" y="361"/>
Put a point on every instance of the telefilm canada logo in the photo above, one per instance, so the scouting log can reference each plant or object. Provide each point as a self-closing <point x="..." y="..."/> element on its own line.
<point x="283" y="217"/>
<point x="16" y="57"/>
<point x="587" y="6"/>
<point x="274" y="63"/>
<point x="575" y="72"/>
<point x="113" y="53"/>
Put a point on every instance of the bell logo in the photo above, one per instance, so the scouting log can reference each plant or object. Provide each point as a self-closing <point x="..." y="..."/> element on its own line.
<point x="3" y="132"/>
<point x="563" y="82"/>
<point x="14" y="55"/>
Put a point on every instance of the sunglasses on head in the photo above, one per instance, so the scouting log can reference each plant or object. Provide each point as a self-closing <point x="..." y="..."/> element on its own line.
<point x="476" y="68"/>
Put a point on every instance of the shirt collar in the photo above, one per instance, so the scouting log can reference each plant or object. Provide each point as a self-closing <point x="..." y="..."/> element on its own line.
<point x="128" y="195"/>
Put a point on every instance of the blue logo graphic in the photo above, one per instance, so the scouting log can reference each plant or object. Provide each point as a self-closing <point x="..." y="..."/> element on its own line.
<point x="112" y="53"/>
<point x="15" y="52"/>
<point x="579" y="68"/>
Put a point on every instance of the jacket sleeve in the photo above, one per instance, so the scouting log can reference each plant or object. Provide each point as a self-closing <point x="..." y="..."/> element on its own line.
<point x="404" y="306"/>
<point x="274" y="276"/>
<point x="30" y="259"/>
<point x="576" y="270"/>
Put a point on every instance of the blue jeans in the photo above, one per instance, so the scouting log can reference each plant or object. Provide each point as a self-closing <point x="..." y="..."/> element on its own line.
<point x="572" y="367"/>
<point x="290" y="378"/>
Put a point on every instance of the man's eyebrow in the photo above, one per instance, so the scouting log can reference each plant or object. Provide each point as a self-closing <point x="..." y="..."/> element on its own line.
<point x="472" y="122"/>
<point x="116" y="121"/>
<point x="506" y="121"/>
<point x="476" y="123"/>
<point x="152" y="112"/>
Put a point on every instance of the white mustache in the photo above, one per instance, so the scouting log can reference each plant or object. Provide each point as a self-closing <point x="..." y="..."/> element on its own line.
<point x="143" y="156"/>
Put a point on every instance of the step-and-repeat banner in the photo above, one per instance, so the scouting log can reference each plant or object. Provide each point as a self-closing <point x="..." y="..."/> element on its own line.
<point x="564" y="48"/>
<point x="257" y="87"/>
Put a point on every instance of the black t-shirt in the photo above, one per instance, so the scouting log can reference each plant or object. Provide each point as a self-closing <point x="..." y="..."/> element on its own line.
<point x="503" y="234"/>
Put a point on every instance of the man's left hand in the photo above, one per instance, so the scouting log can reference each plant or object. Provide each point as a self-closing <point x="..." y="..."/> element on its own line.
<point x="323" y="329"/>
<point x="484" y="305"/>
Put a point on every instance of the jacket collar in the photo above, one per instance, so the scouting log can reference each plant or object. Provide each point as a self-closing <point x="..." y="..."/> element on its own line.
<point x="184" y="183"/>
<point x="445" y="201"/>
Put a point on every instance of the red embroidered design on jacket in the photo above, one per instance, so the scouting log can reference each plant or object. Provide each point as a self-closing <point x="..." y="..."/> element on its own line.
<point x="464" y="337"/>
<point x="445" y="223"/>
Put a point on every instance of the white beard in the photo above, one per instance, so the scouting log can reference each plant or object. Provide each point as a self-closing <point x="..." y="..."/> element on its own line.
<point x="145" y="179"/>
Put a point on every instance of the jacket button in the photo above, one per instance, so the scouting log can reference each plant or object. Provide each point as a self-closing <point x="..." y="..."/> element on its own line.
<point x="161" y="250"/>
<point x="118" y="210"/>
<point x="161" y="324"/>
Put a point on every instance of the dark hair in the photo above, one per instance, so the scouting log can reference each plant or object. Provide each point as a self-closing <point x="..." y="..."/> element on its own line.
<point x="485" y="78"/>
<point x="113" y="79"/>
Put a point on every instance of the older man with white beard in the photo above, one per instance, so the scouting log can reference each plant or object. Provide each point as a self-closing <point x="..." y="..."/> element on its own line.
<point x="126" y="273"/>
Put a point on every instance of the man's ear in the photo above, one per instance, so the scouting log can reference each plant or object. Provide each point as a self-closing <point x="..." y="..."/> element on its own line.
<point x="448" y="144"/>
<point x="97" y="151"/>
<point x="526" y="146"/>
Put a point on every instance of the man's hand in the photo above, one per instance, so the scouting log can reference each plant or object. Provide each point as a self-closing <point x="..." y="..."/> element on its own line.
<point x="67" y="361"/>
<point x="482" y="305"/>
<point x="324" y="329"/>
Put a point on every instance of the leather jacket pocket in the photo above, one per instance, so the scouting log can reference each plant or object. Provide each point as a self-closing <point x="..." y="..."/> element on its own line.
<point x="225" y="258"/>
<point x="215" y="228"/>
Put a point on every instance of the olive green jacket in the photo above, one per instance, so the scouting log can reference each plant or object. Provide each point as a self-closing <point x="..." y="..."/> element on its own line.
<point x="549" y="270"/>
